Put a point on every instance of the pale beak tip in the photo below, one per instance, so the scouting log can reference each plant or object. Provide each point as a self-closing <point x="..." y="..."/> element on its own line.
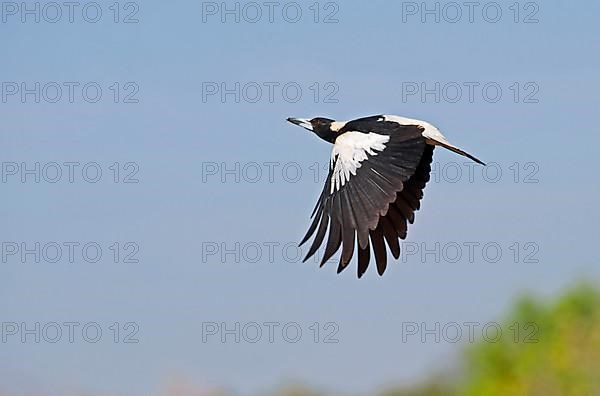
<point x="301" y="122"/>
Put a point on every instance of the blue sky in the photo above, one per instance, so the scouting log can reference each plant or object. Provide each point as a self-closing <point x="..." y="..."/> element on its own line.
<point x="178" y="143"/>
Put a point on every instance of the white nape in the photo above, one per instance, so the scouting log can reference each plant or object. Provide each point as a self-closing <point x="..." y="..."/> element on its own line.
<point x="336" y="126"/>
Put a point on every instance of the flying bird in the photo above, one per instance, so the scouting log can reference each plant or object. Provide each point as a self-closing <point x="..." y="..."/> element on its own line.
<point x="378" y="169"/>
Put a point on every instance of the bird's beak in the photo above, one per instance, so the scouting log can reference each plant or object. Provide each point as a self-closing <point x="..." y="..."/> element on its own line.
<point x="304" y="123"/>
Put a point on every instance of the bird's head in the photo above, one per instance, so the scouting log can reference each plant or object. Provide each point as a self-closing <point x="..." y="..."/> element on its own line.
<point x="322" y="127"/>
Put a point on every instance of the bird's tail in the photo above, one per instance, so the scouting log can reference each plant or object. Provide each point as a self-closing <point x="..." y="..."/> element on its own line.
<point x="459" y="151"/>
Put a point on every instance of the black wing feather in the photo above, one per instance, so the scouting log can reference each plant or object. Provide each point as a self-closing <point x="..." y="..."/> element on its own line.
<point x="364" y="256"/>
<point x="334" y="240"/>
<point x="379" y="250"/>
<point x="319" y="238"/>
<point x="391" y="237"/>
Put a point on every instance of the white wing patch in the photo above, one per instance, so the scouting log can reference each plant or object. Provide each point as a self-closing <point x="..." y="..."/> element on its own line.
<point x="349" y="151"/>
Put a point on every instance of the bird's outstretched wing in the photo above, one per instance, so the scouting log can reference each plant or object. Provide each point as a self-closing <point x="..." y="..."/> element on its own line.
<point x="377" y="174"/>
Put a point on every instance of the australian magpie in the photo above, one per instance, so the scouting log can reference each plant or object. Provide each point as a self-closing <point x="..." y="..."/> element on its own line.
<point x="378" y="169"/>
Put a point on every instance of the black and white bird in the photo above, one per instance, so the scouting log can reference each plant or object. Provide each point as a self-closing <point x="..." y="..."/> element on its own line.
<point x="378" y="169"/>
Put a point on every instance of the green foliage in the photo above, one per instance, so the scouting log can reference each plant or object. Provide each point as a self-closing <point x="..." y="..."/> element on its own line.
<point x="559" y="354"/>
<point x="545" y="349"/>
